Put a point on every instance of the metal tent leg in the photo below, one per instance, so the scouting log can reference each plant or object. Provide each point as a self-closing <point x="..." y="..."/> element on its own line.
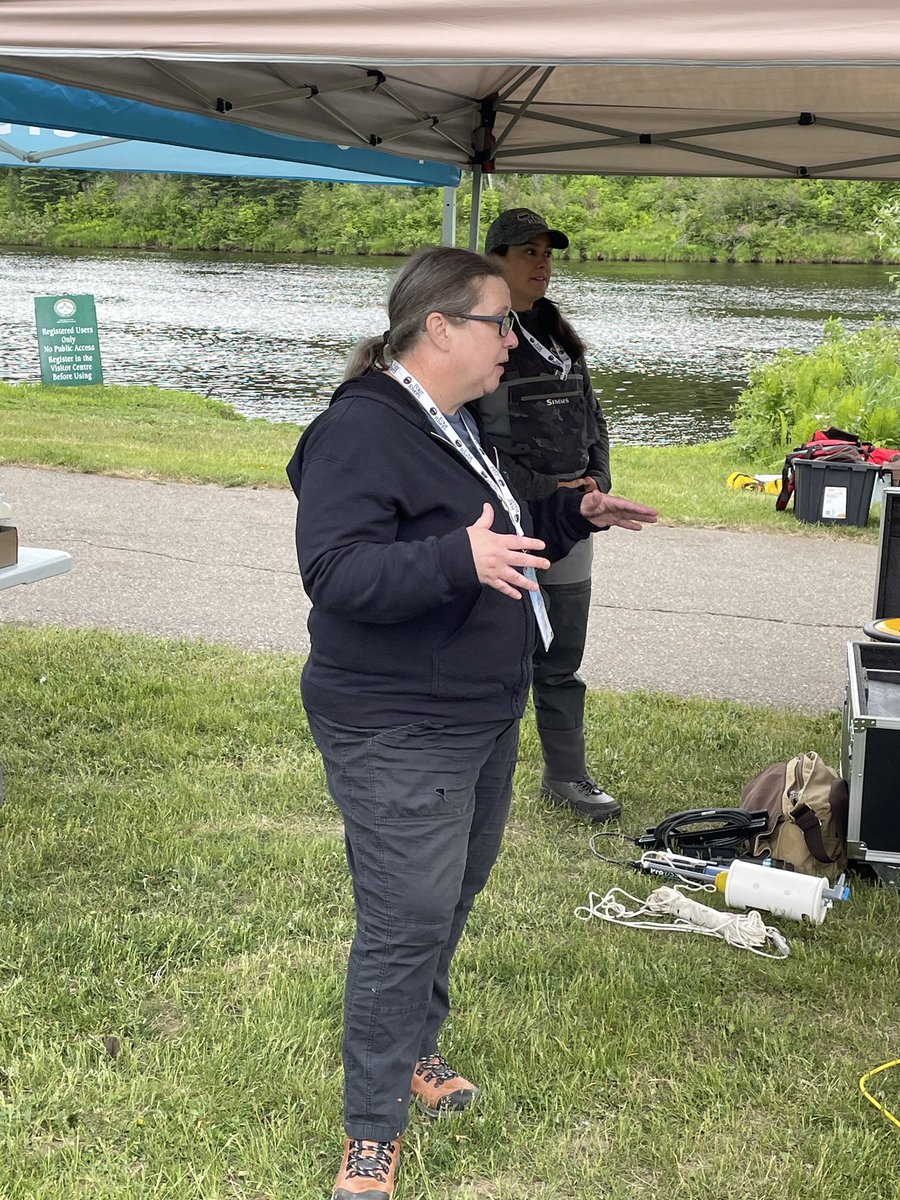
<point x="448" y="227"/>
<point x="475" y="223"/>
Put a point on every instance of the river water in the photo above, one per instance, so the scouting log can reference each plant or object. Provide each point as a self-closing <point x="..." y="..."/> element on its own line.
<point x="669" y="344"/>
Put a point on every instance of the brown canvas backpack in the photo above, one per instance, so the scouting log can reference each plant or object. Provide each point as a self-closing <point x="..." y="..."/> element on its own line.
<point x="808" y="804"/>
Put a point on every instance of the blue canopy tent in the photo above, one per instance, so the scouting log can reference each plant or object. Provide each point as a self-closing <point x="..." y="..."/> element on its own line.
<point x="52" y="125"/>
<point x="42" y="104"/>
<point x="33" y="146"/>
<point x="30" y="145"/>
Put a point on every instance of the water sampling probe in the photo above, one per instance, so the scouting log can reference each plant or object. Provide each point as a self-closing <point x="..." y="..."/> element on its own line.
<point x="752" y="885"/>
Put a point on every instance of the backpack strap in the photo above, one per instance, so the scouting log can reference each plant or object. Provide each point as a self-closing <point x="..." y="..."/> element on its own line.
<point x="804" y="818"/>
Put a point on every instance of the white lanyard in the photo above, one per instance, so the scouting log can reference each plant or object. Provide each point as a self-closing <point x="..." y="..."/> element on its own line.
<point x="556" y="357"/>
<point x="486" y="469"/>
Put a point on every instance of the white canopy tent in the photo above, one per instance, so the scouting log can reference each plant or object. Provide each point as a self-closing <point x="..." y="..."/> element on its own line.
<point x="674" y="87"/>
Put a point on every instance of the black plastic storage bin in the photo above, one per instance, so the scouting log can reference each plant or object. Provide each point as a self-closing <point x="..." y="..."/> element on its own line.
<point x="833" y="493"/>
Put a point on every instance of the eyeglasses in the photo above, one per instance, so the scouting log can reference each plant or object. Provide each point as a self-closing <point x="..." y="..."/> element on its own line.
<point x="504" y="324"/>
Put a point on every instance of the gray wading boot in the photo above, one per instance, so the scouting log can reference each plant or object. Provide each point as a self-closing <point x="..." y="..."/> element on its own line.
<point x="567" y="782"/>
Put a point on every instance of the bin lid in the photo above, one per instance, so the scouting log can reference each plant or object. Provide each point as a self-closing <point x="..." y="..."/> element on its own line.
<point x="885" y="630"/>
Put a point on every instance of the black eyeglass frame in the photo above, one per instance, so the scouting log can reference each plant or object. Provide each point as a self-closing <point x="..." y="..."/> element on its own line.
<point x="504" y="324"/>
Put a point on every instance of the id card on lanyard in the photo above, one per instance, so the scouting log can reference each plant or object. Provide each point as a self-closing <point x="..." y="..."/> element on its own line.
<point x="487" y="470"/>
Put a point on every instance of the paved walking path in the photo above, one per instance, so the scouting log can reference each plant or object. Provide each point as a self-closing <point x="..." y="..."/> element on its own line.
<point x="704" y="612"/>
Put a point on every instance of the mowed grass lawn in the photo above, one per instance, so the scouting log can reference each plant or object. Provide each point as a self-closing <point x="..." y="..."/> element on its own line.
<point x="151" y="433"/>
<point x="176" y="917"/>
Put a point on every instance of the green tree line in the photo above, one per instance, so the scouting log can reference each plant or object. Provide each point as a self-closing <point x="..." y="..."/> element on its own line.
<point x="607" y="217"/>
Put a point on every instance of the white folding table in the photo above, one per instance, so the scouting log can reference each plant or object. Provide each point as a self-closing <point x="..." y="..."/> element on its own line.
<point x="35" y="564"/>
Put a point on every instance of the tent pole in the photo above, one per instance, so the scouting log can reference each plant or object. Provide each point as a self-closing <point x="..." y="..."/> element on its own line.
<point x="474" y="224"/>
<point x="448" y="228"/>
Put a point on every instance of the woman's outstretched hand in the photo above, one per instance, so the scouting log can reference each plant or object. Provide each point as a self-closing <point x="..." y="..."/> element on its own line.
<point x="605" y="510"/>
<point x="497" y="555"/>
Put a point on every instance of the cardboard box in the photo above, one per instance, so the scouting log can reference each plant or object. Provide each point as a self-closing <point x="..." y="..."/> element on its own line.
<point x="9" y="545"/>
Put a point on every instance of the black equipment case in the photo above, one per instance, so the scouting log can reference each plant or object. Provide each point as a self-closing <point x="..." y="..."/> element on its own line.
<point x="887" y="579"/>
<point x="870" y="756"/>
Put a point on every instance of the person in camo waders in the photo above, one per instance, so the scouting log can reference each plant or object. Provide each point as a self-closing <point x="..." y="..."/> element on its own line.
<point x="550" y="432"/>
<point x="420" y="565"/>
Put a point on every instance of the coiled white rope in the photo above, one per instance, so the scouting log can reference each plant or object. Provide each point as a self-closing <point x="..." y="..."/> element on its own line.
<point x="746" y="931"/>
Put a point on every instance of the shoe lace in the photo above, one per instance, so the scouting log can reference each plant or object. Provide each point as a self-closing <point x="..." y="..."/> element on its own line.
<point x="435" y="1067"/>
<point x="587" y="787"/>
<point x="370" y="1160"/>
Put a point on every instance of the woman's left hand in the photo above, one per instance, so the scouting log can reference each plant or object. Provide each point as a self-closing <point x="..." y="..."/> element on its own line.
<point x="586" y="484"/>
<point x="603" y="510"/>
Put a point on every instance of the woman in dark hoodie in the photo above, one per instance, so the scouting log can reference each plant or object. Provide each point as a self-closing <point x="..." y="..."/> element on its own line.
<point x="420" y="565"/>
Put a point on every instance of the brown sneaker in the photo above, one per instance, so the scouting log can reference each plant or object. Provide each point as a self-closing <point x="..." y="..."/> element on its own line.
<point x="437" y="1089"/>
<point x="368" y="1170"/>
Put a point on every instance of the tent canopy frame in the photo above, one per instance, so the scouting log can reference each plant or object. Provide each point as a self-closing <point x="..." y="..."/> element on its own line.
<point x="783" y="88"/>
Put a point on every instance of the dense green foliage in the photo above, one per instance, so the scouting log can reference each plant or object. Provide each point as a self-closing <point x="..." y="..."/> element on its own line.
<point x="886" y="231"/>
<point x="615" y="217"/>
<point x="851" y="381"/>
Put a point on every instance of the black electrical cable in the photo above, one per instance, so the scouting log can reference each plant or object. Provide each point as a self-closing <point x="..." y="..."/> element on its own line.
<point x="617" y="862"/>
<point x="704" y="832"/>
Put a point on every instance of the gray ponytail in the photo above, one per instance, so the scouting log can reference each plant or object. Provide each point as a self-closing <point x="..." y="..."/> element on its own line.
<point x="370" y="355"/>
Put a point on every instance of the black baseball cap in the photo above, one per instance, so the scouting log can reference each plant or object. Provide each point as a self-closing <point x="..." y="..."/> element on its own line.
<point x="517" y="226"/>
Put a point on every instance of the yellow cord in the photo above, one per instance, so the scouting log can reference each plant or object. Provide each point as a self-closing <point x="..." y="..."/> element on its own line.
<point x="862" y="1087"/>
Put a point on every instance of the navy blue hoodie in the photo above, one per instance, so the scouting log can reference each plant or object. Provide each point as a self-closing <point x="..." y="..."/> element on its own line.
<point x="401" y="629"/>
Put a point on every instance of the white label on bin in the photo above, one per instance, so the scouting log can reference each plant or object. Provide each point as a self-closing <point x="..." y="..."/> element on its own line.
<point x="834" y="503"/>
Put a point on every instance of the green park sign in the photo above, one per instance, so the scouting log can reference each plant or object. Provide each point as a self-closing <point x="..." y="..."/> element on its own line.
<point x="67" y="339"/>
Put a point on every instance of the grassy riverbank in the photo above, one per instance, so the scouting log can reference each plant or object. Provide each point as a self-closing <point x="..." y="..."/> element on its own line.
<point x="607" y="217"/>
<point x="150" y="433"/>
<point x="176" y="919"/>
